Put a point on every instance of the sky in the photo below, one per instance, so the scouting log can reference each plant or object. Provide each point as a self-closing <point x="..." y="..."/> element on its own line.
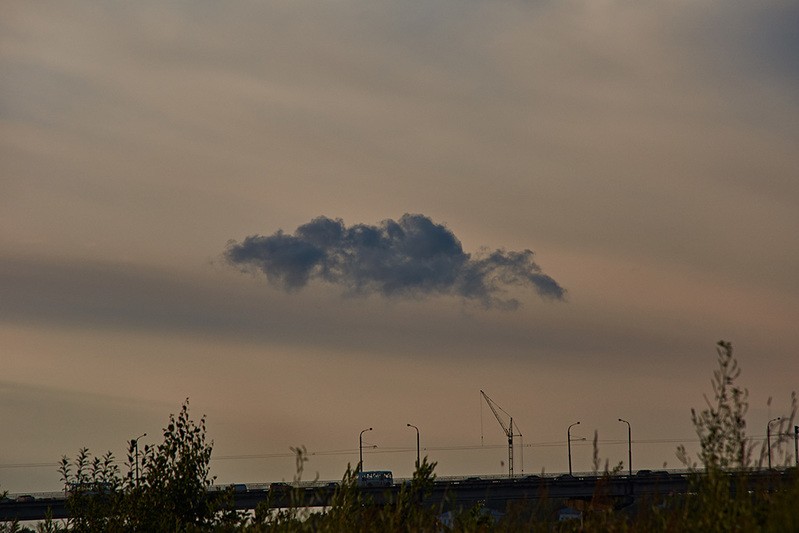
<point x="314" y="218"/>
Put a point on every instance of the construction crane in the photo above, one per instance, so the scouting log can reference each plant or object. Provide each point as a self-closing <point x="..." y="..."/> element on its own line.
<point x="507" y="429"/>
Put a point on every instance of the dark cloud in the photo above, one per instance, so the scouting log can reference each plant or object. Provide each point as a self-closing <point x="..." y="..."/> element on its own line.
<point x="410" y="257"/>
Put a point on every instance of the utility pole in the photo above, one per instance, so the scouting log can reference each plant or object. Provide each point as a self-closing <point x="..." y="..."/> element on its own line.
<point x="768" y="438"/>
<point x="629" y="446"/>
<point x="417" y="444"/>
<point x="360" y="450"/>
<point x="135" y="443"/>
<point x="569" y="444"/>
<point x="796" y="444"/>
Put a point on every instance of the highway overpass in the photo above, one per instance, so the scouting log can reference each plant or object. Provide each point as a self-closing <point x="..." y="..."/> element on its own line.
<point x="493" y="492"/>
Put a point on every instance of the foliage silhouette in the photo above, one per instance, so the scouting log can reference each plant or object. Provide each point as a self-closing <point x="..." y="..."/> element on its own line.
<point x="173" y="492"/>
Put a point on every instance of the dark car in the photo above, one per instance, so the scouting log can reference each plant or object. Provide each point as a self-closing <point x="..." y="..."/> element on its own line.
<point x="279" y="487"/>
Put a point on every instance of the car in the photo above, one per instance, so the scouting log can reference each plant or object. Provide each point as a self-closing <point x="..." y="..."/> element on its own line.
<point x="375" y="478"/>
<point x="90" y="488"/>
<point x="567" y="514"/>
<point x="24" y="498"/>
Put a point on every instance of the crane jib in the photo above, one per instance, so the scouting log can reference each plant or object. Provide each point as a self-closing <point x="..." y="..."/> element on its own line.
<point x="507" y="429"/>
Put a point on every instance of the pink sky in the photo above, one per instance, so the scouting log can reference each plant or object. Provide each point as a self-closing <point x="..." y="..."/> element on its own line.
<point x="645" y="151"/>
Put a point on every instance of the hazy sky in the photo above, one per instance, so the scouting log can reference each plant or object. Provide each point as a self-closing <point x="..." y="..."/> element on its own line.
<point x="644" y="152"/>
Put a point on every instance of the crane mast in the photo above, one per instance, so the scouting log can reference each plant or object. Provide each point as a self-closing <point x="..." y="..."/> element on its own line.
<point x="506" y="429"/>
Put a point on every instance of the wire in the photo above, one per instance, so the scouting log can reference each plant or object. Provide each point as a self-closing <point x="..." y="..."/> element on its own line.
<point x="27" y="465"/>
<point x="402" y="449"/>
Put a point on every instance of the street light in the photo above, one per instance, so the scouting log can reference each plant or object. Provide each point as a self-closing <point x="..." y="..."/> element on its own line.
<point x="569" y="444"/>
<point x="629" y="445"/>
<point x="360" y="449"/>
<point x="768" y="438"/>
<point x="135" y="443"/>
<point x="417" y="444"/>
<point x="796" y="444"/>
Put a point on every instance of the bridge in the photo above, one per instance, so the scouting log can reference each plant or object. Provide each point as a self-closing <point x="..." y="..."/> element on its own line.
<point x="494" y="492"/>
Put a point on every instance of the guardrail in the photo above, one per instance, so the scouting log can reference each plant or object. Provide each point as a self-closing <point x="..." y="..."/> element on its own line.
<point x="497" y="489"/>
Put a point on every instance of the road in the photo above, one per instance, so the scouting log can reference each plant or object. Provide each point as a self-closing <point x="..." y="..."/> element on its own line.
<point x="450" y="492"/>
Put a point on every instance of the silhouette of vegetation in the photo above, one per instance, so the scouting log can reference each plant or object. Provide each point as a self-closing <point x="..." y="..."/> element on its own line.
<point x="721" y="499"/>
<point x="170" y="494"/>
<point x="721" y="427"/>
<point x="352" y="510"/>
<point x="174" y="491"/>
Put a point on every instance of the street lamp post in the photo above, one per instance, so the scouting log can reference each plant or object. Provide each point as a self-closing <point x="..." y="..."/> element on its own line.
<point x="360" y="449"/>
<point x="417" y="445"/>
<point x="796" y="444"/>
<point x="569" y="444"/>
<point x="768" y="438"/>
<point x="629" y="445"/>
<point x="135" y="443"/>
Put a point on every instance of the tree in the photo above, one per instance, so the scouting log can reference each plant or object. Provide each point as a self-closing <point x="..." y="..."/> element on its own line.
<point x="93" y="487"/>
<point x="723" y="499"/>
<point x="721" y="427"/>
<point x="171" y="493"/>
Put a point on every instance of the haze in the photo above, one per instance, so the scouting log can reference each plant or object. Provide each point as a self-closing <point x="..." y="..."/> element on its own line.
<point x="644" y="152"/>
